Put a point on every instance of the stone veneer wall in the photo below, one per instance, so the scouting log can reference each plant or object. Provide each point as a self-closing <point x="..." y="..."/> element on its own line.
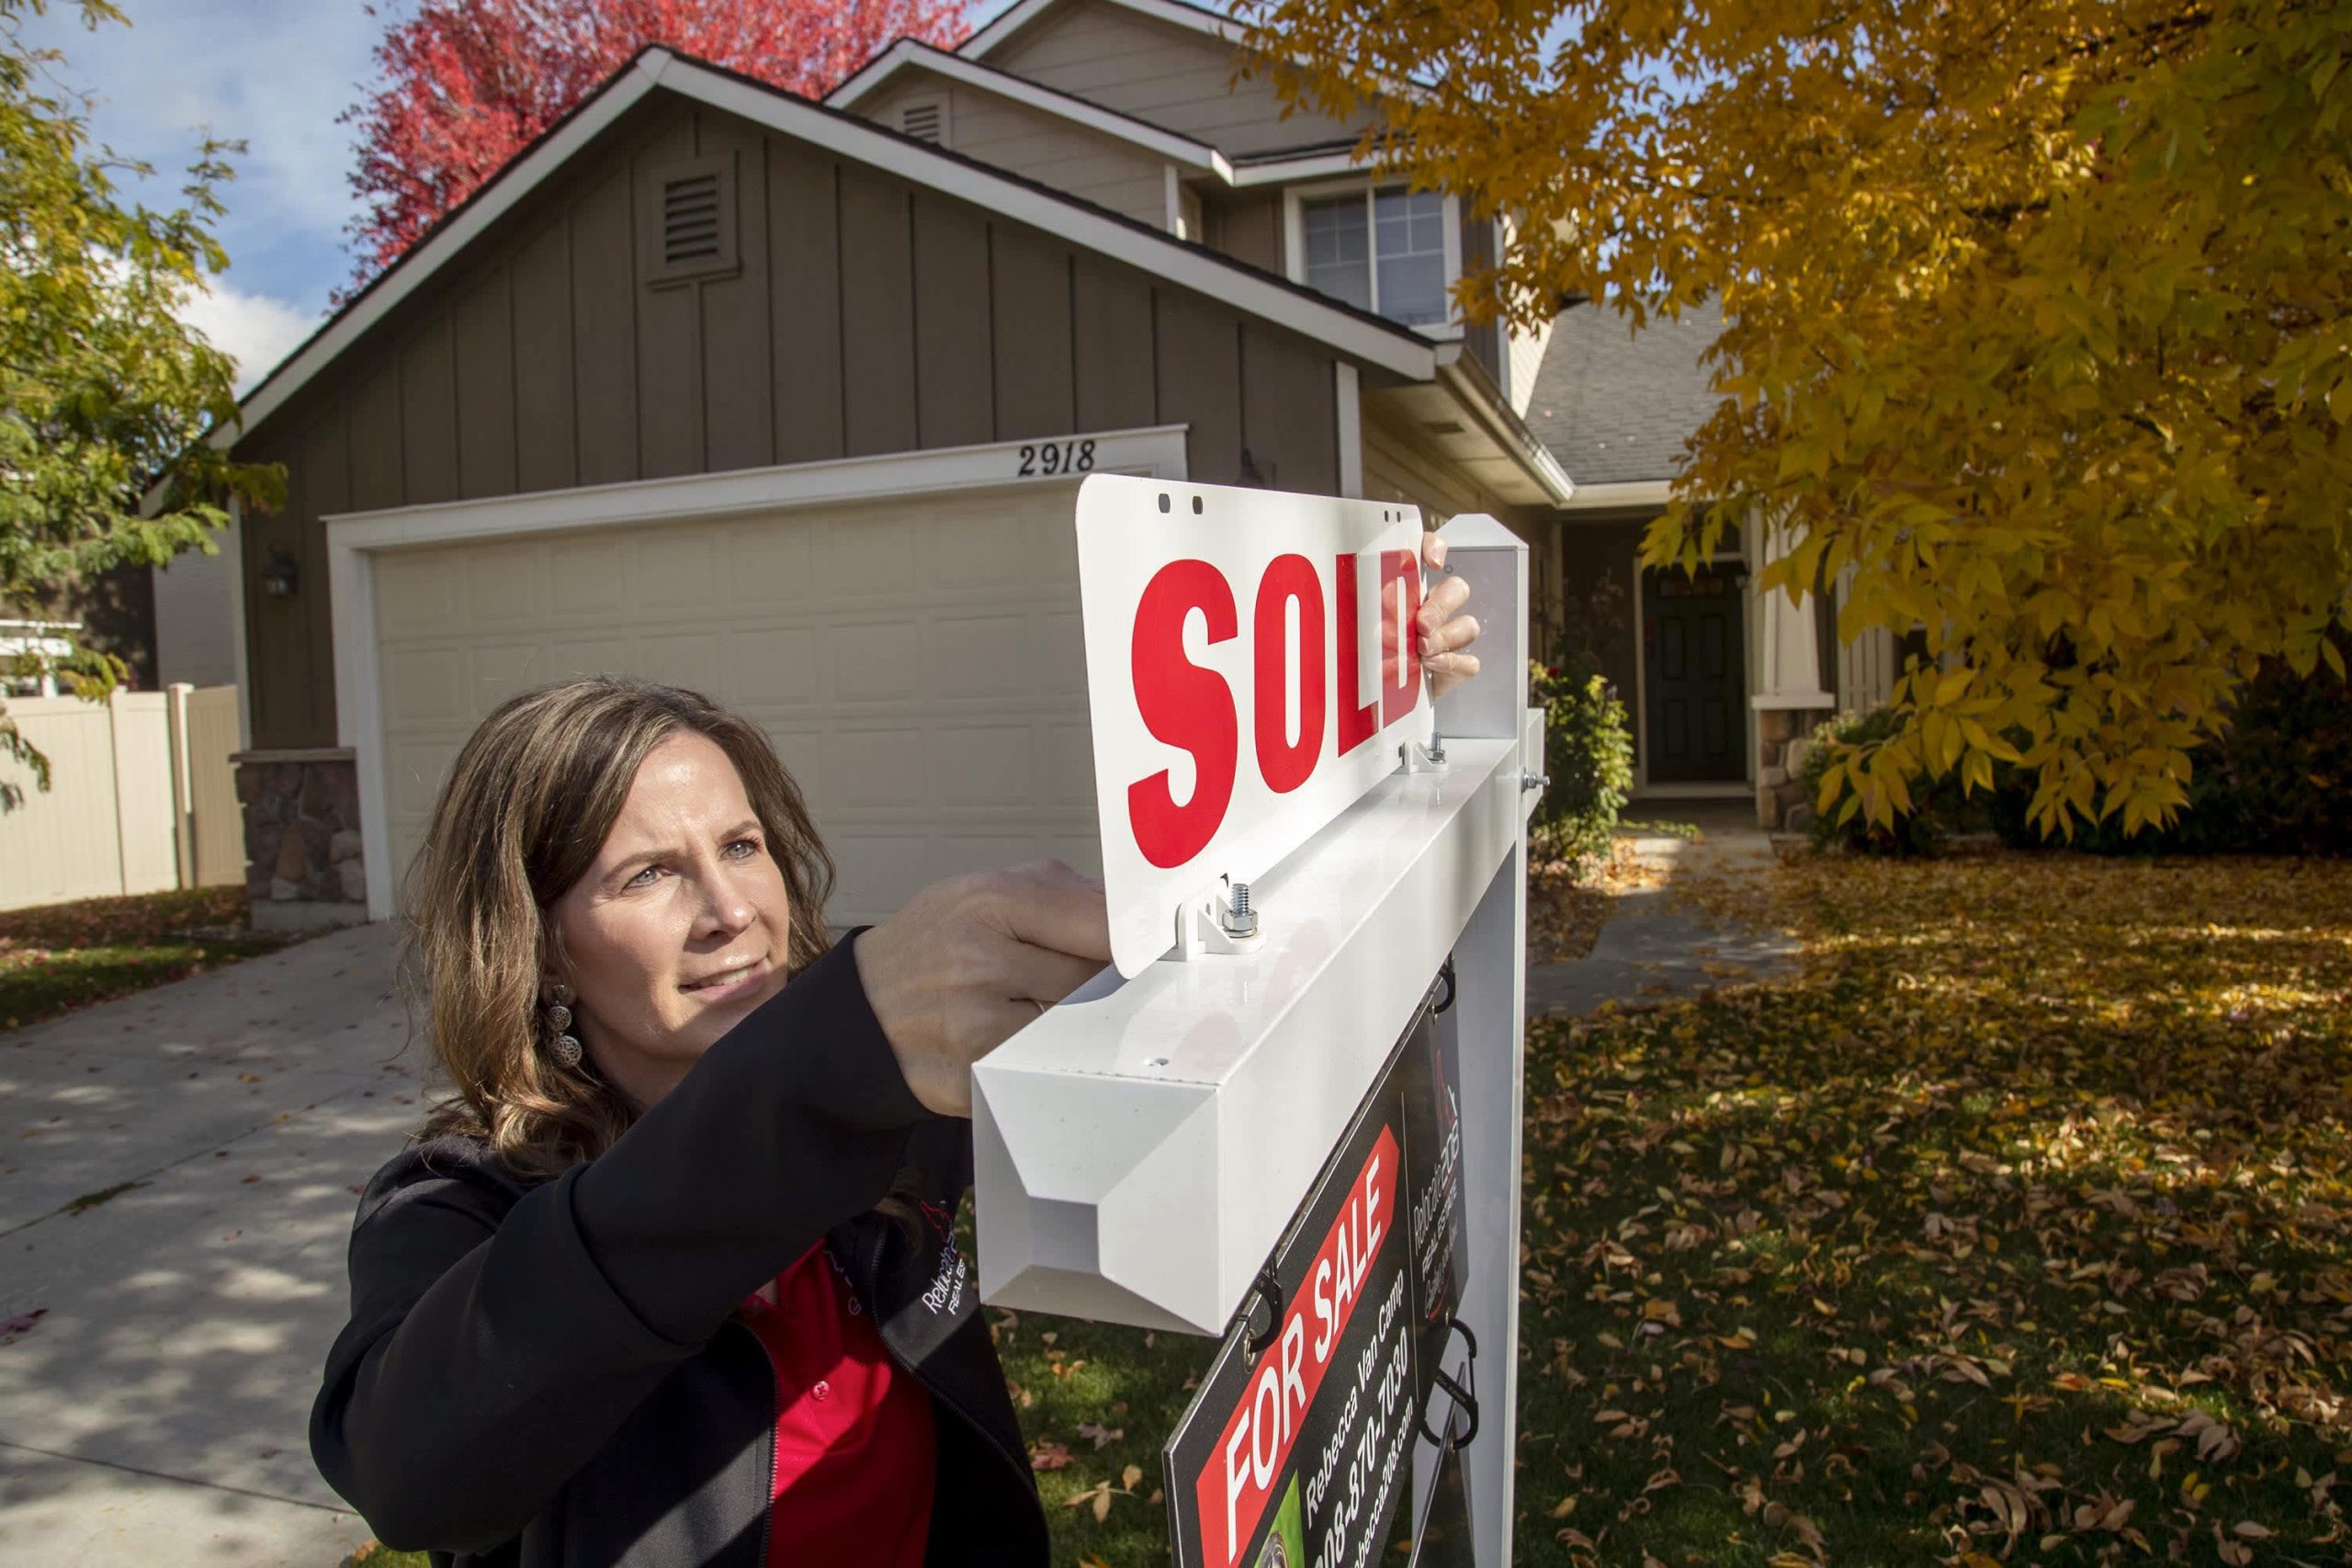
<point x="303" y="867"/>
<point x="1783" y="735"/>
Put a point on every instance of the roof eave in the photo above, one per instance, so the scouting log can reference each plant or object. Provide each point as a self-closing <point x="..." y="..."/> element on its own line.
<point x="1477" y="390"/>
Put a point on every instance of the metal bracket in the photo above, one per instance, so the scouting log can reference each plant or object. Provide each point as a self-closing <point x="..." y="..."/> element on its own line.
<point x="1421" y="758"/>
<point x="1221" y="919"/>
<point x="1269" y="1290"/>
<point x="1466" y="1400"/>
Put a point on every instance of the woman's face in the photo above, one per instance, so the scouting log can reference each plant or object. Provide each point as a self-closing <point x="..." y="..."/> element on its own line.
<point x="679" y="928"/>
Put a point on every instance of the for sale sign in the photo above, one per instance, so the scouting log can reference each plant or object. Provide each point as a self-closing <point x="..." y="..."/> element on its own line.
<point x="1245" y="679"/>
<point x="1294" y="1453"/>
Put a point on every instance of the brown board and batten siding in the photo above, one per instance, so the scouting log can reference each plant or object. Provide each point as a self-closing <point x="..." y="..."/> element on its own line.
<point x="1247" y="226"/>
<point x="1051" y="151"/>
<point x="1161" y="72"/>
<point x="864" y="317"/>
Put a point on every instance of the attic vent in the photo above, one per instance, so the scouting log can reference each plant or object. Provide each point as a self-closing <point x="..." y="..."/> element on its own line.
<point x="686" y="219"/>
<point x="689" y="220"/>
<point x="1442" y="426"/>
<point x="925" y="122"/>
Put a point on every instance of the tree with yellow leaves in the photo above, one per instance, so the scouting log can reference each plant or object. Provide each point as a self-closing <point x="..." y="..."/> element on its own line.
<point x="2038" y="313"/>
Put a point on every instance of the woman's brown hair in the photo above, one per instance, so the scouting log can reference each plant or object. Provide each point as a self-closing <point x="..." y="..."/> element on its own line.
<point x="528" y="803"/>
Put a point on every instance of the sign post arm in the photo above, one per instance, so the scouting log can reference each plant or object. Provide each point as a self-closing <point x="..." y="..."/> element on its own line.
<point x="1490" y="970"/>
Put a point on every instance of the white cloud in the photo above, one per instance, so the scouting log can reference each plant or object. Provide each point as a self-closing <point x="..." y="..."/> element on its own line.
<point x="275" y="73"/>
<point x="251" y="329"/>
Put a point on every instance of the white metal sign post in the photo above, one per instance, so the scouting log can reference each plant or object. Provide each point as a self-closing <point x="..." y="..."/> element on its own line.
<point x="1214" y="1133"/>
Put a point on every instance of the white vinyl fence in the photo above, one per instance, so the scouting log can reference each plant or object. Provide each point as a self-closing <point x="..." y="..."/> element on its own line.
<point x="141" y="796"/>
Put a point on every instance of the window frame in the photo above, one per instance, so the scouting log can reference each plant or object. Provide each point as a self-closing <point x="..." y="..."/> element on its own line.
<point x="1294" y="199"/>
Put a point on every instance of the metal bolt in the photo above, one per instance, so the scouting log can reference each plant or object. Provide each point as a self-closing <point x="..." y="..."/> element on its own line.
<point x="1534" y="781"/>
<point x="1238" y="917"/>
<point x="1437" y="747"/>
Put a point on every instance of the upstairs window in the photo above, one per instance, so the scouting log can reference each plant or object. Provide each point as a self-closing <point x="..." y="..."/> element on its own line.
<point x="1381" y="249"/>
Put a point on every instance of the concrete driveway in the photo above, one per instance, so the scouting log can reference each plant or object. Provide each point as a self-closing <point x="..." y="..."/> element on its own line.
<point x="177" y="1175"/>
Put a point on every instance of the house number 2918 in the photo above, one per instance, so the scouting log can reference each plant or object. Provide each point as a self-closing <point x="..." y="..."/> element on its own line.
<point x="1049" y="458"/>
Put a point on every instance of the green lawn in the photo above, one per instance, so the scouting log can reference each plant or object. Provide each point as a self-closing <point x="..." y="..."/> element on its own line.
<point x="63" y="957"/>
<point x="2015" y="1230"/>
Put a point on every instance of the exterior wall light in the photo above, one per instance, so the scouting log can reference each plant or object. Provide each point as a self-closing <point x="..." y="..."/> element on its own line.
<point x="279" y="577"/>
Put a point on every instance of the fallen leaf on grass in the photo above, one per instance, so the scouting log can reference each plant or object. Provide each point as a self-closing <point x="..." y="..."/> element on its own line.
<point x="1048" y="1455"/>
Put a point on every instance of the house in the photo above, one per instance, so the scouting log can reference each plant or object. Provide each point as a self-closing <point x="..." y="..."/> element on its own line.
<point x="1725" y="684"/>
<point x="785" y="400"/>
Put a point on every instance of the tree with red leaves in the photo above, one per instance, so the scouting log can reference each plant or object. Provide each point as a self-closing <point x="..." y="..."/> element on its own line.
<point x="466" y="84"/>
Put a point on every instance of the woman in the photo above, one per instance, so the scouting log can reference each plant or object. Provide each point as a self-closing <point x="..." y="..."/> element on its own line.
<point x="670" y="1278"/>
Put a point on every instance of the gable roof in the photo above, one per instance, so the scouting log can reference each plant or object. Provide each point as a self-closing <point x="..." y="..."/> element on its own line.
<point x="913" y="53"/>
<point x="1314" y="159"/>
<point x="1197" y="19"/>
<point x="1358" y="334"/>
<point x="1615" y="407"/>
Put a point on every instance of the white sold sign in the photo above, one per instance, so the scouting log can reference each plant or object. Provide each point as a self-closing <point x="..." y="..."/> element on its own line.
<point x="1251" y="671"/>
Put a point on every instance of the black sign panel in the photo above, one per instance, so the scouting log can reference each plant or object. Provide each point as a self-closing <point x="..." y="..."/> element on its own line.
<point x="1431" y="1070"/>
<point x="1297" y="1452"/>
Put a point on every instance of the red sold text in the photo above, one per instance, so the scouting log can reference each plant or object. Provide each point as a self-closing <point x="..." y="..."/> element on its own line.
<point x="1187" y="707"/>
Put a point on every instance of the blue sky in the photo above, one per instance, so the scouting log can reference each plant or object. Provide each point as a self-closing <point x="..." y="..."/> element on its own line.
<point x="275" y="73"/>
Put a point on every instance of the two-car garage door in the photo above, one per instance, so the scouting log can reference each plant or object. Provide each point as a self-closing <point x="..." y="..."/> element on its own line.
<point x="918" y="663"/>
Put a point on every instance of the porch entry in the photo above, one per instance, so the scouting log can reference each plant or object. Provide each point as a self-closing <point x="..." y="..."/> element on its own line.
<point x="1694" y="674"/>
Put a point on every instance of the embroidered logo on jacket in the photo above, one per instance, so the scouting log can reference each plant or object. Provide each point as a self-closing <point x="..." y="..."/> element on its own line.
<point x="946" y="1293"/>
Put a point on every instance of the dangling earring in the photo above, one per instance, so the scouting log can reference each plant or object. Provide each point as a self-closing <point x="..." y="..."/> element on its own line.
<point x="565" y="1046"/>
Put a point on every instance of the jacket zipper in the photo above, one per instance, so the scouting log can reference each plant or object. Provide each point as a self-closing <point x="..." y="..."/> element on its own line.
<point x="776" y="1413"/>
<point x="874" y="1273"/>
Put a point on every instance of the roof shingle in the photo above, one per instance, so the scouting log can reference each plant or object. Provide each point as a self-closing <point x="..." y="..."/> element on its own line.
<point x="1613" y="408"/>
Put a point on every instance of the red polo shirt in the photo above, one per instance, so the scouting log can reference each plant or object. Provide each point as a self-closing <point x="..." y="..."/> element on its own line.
<point x="855" y="1454"/>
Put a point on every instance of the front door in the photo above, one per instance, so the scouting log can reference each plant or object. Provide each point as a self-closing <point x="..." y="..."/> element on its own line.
<point x="1694" y="675"/>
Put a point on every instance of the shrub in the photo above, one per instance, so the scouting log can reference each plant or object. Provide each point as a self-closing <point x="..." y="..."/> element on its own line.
<point x="1939" y="806"/>
<point x="1588" y="753"/>
<point x="2278" y="780"/>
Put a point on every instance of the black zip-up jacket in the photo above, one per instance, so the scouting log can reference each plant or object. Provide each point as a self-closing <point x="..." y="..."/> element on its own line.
<point x="553" y="1375"/>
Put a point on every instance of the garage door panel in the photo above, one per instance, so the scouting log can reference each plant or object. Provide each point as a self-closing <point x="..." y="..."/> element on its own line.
<point x="878" y="872"/>
<point x="866" y="555"/>
<point x="1052" y="554"/>
<point x="768" y="564"/>
<point x="992" y="764"/>
<point x="918" y="664"/>
<point x="506" y="585"/>
<point x="676" y="570"/>
<point x="696" y="660"/>
<point x="886" y="763"/>
<point x="418" y="591"/>
<point x="427" y="685"/>
<point x="1059" y="665"/>
<point x="777" y="667"/>
<point x="803" y="754"/>
<point x="571" y="658"/>
<point x="876" y="662"/>
<point x="1066" y="766"/>
<point x="585" y="577"/>
<point x="961" y="553"/>
<point x="976" y="656"/>
<point x="498" y="672"/>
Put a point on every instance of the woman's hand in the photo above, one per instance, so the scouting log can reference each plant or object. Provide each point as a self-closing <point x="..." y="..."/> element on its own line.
<point x="1445" y="634"/>
<point x="969" y="961"/>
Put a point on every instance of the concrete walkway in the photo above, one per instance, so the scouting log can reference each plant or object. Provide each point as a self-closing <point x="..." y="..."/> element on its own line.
<point x="177" y="1174"/>
<point x="1655" y="944"/>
